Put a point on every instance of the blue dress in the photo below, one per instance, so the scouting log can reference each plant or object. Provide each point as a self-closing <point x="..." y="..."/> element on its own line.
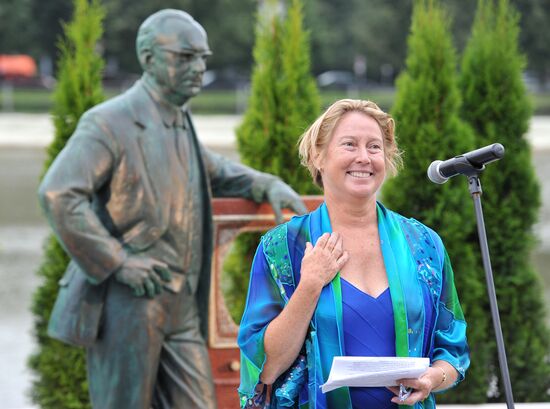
<point x="368" y="331"/>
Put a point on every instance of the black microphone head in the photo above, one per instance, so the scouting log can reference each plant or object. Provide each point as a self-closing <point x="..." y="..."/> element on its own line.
<point x="433" y="173"/>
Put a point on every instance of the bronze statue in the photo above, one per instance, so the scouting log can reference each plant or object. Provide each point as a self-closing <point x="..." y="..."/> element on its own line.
<point x="129" y="199"/>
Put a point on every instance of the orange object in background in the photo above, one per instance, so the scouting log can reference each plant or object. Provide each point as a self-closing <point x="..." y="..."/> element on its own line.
<point x="17" y="66"/>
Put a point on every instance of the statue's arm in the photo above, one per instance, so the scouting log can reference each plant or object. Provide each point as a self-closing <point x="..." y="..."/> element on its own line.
<point x="232" y="179"/>
<point x="80" y="170"/>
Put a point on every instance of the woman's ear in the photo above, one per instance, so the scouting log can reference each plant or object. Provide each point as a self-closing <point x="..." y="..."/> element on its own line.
<point x="318" y="161"/>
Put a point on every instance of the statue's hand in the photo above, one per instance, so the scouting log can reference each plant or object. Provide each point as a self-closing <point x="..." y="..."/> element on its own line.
<point x="144" y="275"/>
<point x="280" y="196"/>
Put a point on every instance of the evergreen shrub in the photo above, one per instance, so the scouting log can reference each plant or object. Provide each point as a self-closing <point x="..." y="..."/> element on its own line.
<point x="498" y="108"/>
<point x="60" y="370"/>
<point x="284" y="101"/>
<point x="429" y="127"/>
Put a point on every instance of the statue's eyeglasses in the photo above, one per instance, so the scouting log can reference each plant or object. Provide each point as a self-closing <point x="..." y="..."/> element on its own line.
<point x="184" y="55"/>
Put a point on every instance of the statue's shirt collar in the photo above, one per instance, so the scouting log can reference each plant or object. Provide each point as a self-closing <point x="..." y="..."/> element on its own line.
<point x="170" y="114"/>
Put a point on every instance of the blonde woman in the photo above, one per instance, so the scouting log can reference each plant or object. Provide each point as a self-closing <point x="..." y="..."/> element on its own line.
<point x="350" y="278"/>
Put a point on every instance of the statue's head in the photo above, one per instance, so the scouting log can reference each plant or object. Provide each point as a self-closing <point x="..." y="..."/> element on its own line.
<point x="172" y="49"/>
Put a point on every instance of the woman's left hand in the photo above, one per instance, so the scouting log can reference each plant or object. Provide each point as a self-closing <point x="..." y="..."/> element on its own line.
<point x="421" y="387"/>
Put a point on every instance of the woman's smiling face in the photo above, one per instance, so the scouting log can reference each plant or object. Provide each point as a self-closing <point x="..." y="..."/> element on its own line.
<point x="353" y="164"/>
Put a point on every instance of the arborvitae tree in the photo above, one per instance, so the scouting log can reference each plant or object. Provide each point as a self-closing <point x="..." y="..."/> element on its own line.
<point x="60" y="369"/>
<point x="284" y="101"/>
<point x="428" y="127"/>
<point x="498" y="108"/>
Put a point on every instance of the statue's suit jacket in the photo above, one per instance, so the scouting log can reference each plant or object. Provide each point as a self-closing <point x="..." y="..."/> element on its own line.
<point x="103" y="196"/>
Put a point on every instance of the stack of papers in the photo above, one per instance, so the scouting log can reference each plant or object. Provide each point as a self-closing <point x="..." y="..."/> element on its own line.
<point x="372" y="371"/>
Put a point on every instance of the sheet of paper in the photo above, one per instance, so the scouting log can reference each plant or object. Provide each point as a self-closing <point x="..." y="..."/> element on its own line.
<point x="372" y="371"/>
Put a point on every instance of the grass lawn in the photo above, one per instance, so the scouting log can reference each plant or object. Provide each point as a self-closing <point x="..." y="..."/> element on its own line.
<point x="541" y="103"/>
<point x="228" y="102"/>
<point x="208" y="102"/>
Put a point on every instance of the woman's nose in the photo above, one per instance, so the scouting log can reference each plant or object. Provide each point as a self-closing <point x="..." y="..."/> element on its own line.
<point x="363" y="156"/>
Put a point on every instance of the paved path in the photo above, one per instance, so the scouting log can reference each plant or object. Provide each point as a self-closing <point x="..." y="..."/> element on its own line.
<point x="25" y="130"/>
<point x="498" y="406"/>
<point x="35" y="130"/>
<point x="488" y="406"/>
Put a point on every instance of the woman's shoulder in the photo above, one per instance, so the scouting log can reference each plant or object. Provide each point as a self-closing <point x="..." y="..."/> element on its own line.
<point x="286" y="240"/>
<point x="416" y="224"/>
<point x="289" y="230"/>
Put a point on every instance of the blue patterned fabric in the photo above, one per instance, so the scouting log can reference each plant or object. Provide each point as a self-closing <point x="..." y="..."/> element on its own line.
<point x="427" y="316"/>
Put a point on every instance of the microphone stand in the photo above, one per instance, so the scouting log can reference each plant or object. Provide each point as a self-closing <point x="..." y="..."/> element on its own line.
<point x="474" y="186"/>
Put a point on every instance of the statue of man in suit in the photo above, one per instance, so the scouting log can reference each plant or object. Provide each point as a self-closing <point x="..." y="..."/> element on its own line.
<point x="129" y="199"/>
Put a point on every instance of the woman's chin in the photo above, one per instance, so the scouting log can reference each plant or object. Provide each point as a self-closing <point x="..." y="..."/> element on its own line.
<point x="362" y="190"/>
<point x="357" y="194"/>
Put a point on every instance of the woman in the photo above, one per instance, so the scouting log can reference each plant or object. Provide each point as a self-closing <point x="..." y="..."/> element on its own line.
<point x="350" y="278"/>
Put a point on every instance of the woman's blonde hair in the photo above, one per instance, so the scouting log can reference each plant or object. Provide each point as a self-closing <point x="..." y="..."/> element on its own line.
<point x="314" y="141"/>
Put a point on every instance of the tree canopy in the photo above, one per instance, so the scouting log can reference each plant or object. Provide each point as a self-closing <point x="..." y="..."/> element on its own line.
<point x="372" y="31"/>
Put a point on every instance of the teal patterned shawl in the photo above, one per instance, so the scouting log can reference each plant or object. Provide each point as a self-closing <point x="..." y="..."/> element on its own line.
<point x="428" y="318"/>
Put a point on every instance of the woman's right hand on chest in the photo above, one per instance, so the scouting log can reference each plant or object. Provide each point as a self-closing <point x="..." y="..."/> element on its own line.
<point x="322" y="261"/>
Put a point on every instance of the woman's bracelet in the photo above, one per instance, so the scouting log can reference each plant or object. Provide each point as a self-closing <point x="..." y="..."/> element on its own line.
<point x="444" y="376"/>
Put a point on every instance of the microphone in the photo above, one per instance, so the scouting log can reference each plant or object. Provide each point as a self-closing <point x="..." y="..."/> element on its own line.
<point x="440" y="171"/>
